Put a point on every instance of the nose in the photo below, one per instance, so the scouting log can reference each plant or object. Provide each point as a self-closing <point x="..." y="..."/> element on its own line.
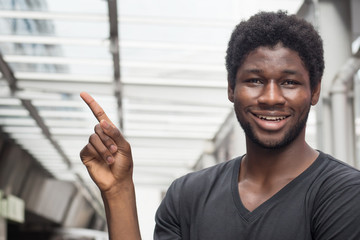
<point x="272" y="94"/>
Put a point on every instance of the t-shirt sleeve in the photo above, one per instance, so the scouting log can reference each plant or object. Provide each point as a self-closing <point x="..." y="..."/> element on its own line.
<point x="167" y="216"/>
<point x="337" y="216"/>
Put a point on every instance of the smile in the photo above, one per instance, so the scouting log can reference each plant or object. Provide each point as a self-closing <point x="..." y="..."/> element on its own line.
<point x="271" y="118"/>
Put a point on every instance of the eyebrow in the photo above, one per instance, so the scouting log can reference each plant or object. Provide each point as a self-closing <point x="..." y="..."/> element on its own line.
<point x="255" y="70"/>
<point x="293" y="72"/>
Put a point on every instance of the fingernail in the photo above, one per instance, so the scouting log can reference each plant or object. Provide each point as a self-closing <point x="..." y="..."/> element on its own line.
<point x="105" y="124"/>
<point x="110" y="160"/>
<point x="113" y="148"/>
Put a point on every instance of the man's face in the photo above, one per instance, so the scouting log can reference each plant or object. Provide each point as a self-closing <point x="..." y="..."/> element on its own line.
<point x="272" y="96"/>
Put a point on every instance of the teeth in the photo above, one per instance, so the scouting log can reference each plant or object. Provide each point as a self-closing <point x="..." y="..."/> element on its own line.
<point x="269" y="118"/>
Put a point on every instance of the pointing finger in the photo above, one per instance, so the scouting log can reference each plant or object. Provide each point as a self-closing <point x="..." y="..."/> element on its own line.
<point x="95" y="107"/>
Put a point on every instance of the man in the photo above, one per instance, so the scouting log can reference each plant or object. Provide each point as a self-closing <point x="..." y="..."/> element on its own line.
<point x="281" y="188"/>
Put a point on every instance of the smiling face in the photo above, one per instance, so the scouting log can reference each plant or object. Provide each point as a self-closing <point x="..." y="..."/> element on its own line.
<point x="272" y="96"/>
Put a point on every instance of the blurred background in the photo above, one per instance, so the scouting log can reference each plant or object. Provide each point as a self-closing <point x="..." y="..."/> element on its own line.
<point x="157" y="68"/>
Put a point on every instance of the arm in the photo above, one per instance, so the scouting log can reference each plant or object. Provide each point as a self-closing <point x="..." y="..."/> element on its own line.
<point x="108" y="159"/>
<point x="121" y="214"/>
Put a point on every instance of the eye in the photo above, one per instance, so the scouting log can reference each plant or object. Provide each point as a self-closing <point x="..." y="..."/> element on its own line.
<point x="254" y="81"/>
<point x="290" y="82"/>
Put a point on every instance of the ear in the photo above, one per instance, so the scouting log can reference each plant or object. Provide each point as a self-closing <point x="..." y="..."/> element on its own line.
<point x="230" y="91"/>
<point x="315" y="95"/>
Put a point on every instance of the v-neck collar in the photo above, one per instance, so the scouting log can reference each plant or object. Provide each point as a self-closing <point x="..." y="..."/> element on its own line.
<point x="251" y="216"/>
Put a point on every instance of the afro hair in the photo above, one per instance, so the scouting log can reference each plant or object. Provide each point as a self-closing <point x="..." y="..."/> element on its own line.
<point x="270" y="29"/>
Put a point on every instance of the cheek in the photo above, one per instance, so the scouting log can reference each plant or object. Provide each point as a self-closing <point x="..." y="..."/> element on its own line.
<point x="245" y="94"/>
<point x="301" y="102"/>
<point x="299" y="98"/>
<point x="241" y="102"/>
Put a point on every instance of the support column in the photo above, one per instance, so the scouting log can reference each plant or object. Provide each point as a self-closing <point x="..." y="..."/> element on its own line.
<point x="334" y="27"/>
<point x="3" y="229"/>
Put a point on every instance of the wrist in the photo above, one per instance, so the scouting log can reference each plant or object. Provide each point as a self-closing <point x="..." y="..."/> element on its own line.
<point x="119" y="191"/>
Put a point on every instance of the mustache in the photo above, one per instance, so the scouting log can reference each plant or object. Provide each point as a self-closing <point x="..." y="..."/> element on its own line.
<point x="268" y="108"/>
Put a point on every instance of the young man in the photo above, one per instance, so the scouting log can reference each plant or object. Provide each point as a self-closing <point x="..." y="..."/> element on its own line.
<point x="281" y="188"/>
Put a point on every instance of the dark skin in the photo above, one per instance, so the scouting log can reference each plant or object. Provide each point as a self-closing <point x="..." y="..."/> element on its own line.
<point x="272" y="94"/>
<point x="108" y="159"/>
<point x="260" y="179"/>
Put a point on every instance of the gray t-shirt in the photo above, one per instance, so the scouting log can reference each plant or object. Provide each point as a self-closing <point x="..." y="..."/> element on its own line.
<point x="321" y="203"/>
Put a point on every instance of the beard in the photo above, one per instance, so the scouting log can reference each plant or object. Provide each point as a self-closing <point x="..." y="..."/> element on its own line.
<point x="288" y="138"/>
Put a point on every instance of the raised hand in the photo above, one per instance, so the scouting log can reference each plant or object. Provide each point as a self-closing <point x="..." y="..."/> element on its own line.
<point x="108" y="159"/>
<point x="107" y="155"/>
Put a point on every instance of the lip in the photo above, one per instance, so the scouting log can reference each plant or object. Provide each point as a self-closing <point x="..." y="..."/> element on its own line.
<point x="270" y="121"/>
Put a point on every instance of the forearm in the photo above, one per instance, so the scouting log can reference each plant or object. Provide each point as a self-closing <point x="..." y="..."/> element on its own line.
<point x="121" y="214"/>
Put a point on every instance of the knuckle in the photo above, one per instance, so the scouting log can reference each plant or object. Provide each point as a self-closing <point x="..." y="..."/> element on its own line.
<point x="107" y="141"/>
<point x="85" y="152"/>
<point x="97" y="128"/>
<point x="105" y="138"/>
<point x="99" y="114"/>
<point x="103" y="152"/>
<point x="93" y="137"/>
<point x="116" y="133"/>
<point x="126" y="146"/>
<point x="82" y="152"/>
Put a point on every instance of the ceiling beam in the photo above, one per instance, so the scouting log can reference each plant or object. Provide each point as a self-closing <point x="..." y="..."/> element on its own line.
<point x="123" y="19"/>
<point x="105" y="43"/>
<point x="54" y="40"/>
<point x="35" y="115"/>
<point x="57" y="60"/>
<point x="53" y="16"/>
<point x="115" y="52"/>
<point x="27" y="104"/>
<point x="8" y="75"/>
<point x="12" y="81"/>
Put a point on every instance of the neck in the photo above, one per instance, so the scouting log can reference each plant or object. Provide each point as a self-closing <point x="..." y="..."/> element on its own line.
<point x="264" y="165"/>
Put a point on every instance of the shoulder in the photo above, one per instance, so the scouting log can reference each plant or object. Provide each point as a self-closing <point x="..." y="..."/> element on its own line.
<point x="335" y="181"/>
<point x="336" y="208"/>
<point x="196" y="185"/>
<point x="337" y="173"/>
<point x="208" y="176"/>
<point x="189" y="190"/>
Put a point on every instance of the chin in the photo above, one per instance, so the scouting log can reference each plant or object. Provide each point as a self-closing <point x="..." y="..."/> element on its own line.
<point x="272" y="144"/>
<point x="268" y="142"/>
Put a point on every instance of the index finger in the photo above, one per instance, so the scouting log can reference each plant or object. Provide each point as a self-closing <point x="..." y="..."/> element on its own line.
<point x="96" y="109"/>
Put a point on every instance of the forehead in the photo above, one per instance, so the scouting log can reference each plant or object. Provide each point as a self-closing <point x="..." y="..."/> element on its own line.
<point x="273" y="62"/>
<point x="277" y="55"/>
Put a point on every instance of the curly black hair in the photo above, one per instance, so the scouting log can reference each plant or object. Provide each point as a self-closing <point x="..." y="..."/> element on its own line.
<point x="269" y="29"/>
